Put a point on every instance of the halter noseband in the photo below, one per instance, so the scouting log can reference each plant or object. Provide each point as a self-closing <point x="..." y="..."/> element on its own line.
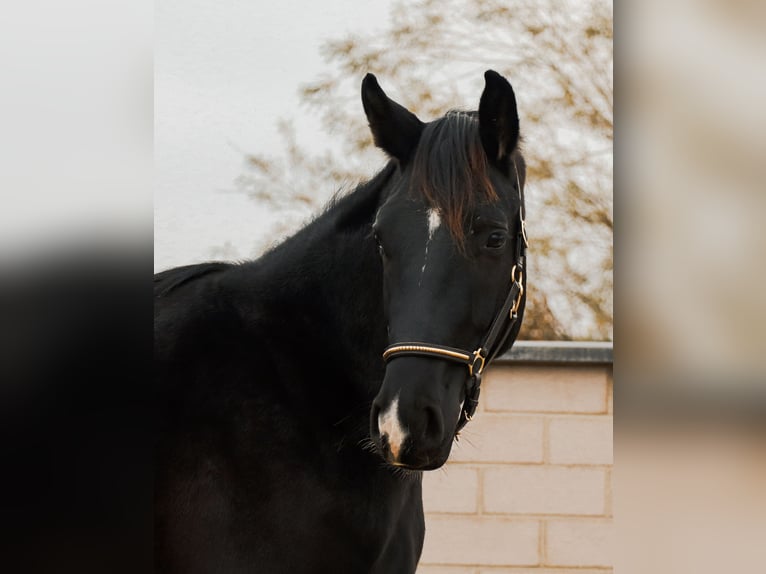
<point x="496" y="336"/>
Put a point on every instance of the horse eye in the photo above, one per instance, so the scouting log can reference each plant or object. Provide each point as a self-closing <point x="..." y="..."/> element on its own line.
<point x="496" y="240"/>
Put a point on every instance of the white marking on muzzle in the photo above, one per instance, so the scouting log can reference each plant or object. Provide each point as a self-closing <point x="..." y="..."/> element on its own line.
<point x="389" y="424"/>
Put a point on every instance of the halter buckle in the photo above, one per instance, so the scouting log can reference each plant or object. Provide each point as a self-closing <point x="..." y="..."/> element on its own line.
<point x="477" y="358"/>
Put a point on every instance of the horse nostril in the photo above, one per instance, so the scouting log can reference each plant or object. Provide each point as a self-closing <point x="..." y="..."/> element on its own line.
<point x="434" y="424"/>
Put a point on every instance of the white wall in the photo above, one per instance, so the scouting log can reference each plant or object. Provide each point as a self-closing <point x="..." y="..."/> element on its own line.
<point x="224" y="74"/>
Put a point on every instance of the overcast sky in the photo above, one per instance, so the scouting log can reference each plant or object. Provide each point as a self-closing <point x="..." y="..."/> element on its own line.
<point x="224" y="73"/>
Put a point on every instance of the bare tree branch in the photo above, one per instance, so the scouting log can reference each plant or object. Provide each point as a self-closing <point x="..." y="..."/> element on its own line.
<point x="558" y="55"/>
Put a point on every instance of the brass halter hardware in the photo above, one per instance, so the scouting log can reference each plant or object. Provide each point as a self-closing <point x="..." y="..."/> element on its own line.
<point x="520" y="282"/>
<point x="524" y="232"/>
<point x="479" y="358"/>
<point x="474" y="361"/>
<point x="426" y="349"/>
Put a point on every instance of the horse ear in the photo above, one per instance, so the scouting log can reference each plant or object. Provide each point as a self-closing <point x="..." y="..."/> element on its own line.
<point x="498" y="118"/>
<point x="395" y="129"/>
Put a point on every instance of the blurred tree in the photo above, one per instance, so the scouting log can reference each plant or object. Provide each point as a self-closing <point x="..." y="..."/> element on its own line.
<point x="431" y="57"/>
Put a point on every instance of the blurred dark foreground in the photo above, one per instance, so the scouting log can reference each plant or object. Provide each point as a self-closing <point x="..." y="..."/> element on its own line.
<point x="75" y="412"/>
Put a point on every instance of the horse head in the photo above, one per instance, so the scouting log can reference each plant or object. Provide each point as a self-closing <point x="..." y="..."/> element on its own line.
<point x="450" y="237"/>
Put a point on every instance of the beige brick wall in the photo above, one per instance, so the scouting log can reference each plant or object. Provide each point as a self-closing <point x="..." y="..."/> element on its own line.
<point x="528" y="486"/>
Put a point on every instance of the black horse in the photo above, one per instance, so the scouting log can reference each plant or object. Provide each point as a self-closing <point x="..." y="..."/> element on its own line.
<point x="287" y="443"/>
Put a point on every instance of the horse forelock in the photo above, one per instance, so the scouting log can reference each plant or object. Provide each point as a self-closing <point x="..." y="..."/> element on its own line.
<point x="450" y="169"/>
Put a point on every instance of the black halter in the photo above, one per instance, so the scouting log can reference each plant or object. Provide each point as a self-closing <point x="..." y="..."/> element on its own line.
<point x="497" y="335"/>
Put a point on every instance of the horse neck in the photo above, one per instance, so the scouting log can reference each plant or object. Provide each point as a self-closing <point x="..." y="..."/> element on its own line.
<point x="320" y="295"/>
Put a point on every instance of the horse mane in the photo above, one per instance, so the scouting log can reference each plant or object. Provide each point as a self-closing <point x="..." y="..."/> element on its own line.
<point x="355" y="208"/>
<point x="450" y="169"/>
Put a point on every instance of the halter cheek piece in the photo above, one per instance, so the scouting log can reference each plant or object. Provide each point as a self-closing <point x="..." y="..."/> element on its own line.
<point x="497" y="335"/>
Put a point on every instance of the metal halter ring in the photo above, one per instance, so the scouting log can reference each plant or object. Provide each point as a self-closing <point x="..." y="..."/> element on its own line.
<point x="520" y="278"/>
<point x="477" y="358"/>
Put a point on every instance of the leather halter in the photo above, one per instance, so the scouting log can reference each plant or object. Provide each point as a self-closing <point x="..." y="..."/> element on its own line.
<point x="495" y="338"/>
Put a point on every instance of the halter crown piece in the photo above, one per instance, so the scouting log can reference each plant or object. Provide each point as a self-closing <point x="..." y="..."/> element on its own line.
<point x="498" y="332"/>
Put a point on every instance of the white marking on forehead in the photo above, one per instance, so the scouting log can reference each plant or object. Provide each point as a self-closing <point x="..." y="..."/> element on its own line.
<point x="389" y="424"/>
<point x="425" y="262"/>
<point x="434" y="221"/>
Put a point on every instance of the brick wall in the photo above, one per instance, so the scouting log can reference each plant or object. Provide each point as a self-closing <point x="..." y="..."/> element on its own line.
<point x="528" y="487"/>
